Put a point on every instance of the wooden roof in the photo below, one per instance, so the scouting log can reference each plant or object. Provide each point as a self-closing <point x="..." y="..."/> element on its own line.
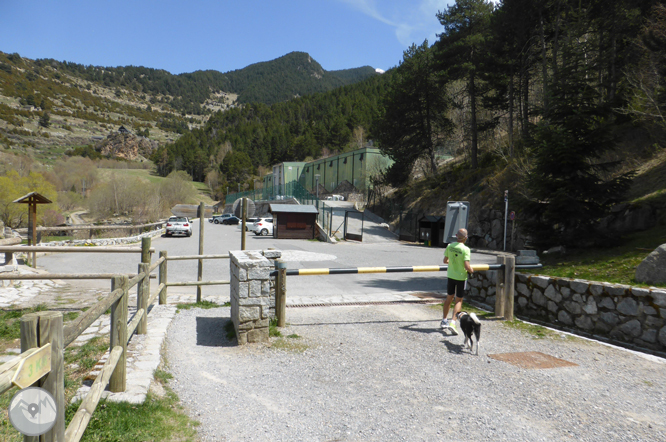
<point x="33" y="198"/>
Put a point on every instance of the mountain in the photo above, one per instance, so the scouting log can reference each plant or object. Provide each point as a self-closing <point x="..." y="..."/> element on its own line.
<point x="292" y="75"/>
<point x="87" y="103"/>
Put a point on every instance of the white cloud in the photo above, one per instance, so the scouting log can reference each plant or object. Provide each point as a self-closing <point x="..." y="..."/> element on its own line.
<point x="413" y="22"/>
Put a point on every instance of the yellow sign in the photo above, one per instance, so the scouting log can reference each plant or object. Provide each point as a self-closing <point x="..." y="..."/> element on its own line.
<point x="32" y="368"/>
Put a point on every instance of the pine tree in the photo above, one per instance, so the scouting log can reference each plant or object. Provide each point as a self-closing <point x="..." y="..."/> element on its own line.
<point x="463" y="51"/>
<point x="414" y="122"/>
<point x="568" y="191"/>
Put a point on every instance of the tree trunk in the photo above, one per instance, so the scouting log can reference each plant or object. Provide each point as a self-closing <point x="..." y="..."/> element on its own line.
<point x="472" y="97"/>
<point x="526" y="96"/>
<point x="544" y="65"/>
<point x="511" y="114"/>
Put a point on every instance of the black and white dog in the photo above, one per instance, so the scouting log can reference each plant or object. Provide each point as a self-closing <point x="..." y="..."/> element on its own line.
<point x="469" y="324"/>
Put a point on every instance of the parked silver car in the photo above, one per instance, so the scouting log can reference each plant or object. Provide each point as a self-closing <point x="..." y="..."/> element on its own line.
<point x="178" y="225"/>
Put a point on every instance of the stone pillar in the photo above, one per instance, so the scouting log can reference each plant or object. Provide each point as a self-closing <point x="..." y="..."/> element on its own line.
<point x="250" y="295"/>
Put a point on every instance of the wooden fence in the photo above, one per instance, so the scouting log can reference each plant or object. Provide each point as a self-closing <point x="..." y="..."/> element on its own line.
<point x="45" y="330"/>
<point x="42" y="329"/>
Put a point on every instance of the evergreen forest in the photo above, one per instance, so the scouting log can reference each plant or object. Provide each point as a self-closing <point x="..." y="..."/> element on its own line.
<point x="547" y="89"/>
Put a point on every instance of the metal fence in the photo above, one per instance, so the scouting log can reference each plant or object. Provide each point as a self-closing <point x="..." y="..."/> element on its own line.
<point x="409" y="226"/>
<point x="286" y="191"/>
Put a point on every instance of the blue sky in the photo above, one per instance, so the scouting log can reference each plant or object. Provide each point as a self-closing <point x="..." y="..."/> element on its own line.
<point x="185" y="36"/>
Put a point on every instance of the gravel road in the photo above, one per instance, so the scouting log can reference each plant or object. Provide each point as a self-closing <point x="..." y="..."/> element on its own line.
<point x="387" y="373"/>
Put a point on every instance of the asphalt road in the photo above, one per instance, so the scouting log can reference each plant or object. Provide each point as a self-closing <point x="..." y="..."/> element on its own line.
<point x="219" y="239"/>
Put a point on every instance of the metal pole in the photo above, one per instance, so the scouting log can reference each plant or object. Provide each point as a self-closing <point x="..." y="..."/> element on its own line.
<point x="244" y="217"/>
<point x="201" y="247"/>
<point x="317" y="184"/>
<point x="506" y="214"/>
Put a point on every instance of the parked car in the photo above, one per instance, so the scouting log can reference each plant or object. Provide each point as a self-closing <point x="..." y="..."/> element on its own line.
<point x="248" y="223"/>
<point x="253" y="227"/>
<point x="263" y="227"/>
<point x="178" y="225"/>
<point x="217" y="219"/>
<point x="231" y="220"/>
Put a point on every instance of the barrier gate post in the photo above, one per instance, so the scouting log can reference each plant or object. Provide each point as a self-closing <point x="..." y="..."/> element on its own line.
<point x="281" y="292"/>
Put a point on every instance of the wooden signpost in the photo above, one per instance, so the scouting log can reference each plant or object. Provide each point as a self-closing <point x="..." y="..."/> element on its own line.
<point x="33" y="368"/>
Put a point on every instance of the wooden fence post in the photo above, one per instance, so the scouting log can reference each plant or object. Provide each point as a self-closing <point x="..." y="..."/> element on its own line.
<point x="142" y="296"/>
<point x="202" y="218"/>
<point x="281" y="293"/>
<point x="509" y="286"/>
<point x="29" y="333"/>
<point x="118" y="334"/>
<point x="145" y="249"/>
<point x="163" y="277"/>
<point x="500" y="287"/>
<point x="37" y="330"/>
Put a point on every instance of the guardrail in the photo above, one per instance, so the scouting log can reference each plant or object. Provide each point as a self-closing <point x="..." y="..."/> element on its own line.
<point x="505" y="267"/>
<point x="43" y="334"/>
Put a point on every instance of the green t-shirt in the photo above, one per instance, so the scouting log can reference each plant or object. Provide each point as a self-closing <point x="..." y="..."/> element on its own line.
<point x="457" y="253"/>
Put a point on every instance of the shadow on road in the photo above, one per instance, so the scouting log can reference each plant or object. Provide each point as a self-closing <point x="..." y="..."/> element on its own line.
<point x="435" y="282"/>
<point x="454" y="348"/>
<point x="416" y="328"/>
<point x="211" y="332"/>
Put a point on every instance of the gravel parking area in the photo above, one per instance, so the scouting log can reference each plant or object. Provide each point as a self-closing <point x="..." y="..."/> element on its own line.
<point x="387" y="373"/>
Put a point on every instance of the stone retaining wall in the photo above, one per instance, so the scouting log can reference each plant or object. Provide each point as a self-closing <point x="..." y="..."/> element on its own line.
<point x="622" y="314"/>
<point x="104" y="241"/>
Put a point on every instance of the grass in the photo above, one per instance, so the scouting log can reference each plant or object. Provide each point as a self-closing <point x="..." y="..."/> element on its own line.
<point x="10" y="325"/>
<point x="231" y="331"/>
<point x="614" y="264"/>
<point x="160" y="418"/>
<point x="157" y="419"/>
<point x="201" y="188"/>
<point x="56" y="238"/>
<point x="535" y="331"/>
<point x="273" y="331"/>
<point x="203" y="304"/>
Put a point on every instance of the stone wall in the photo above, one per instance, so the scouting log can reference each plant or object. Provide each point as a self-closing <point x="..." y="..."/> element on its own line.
<point x="104" y="241"/>
<point x="486" y="230"/>
<point x="250" y="289"/>
<point x="629" y="316"/>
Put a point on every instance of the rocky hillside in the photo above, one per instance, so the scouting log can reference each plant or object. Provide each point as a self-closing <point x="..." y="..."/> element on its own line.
<point x="126" y="146"/>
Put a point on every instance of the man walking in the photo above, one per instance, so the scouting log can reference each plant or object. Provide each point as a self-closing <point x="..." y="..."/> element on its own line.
<point x="457" y="256"/>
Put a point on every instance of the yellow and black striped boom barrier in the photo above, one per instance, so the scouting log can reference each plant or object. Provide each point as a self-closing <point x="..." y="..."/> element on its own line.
<point x="406" y="269"/>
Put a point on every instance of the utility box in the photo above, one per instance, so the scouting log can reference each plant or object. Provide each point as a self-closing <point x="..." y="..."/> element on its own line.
<point x="429" y="229"/>
<point x="457" y="217"/>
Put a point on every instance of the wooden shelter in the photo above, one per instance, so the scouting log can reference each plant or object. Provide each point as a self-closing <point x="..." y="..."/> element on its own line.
<point x="293" y="221"/>
<point x="32" y="199"/>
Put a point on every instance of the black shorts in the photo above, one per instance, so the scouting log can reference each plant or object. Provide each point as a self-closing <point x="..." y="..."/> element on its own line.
<point x="455" y="287"/>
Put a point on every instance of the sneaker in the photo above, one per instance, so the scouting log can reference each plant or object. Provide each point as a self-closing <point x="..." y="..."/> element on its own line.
<point x="452" y="327"/>
<point x="444" y="323"/>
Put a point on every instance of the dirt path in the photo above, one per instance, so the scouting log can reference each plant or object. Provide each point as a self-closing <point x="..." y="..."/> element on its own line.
<point x="388" y="373"/>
